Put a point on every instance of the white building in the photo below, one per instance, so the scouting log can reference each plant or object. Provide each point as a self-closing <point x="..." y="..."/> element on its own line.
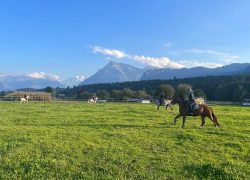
<point x="143" y="101"/>
<point x="246" y="102"/>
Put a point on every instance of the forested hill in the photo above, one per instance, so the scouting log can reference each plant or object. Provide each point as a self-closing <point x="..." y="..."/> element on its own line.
<point x="223" y="88"/>
<point x="231" y="69"/>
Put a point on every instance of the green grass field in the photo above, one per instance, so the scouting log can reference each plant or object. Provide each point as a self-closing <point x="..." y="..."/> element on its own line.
<point x="120" y="141"/>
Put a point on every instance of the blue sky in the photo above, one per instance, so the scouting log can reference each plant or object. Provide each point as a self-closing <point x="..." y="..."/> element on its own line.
<point x="78" y="37"/>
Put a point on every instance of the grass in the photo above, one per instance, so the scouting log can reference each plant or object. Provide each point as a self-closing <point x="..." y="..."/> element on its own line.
<point x="76" y="140"/>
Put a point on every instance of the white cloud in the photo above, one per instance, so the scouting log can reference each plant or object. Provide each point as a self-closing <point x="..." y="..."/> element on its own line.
<point x="165" y="62"/>
<point x="162" y="62"/>
<point x="79" y="78"/>
<point x="42" y="75"/>
<point x="110" y="52"/>
<point x="3" y="76"/>
<point x="190" y="64"/>
<point x="221" y="55"/>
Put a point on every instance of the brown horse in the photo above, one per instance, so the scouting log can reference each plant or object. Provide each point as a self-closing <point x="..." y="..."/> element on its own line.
<point x="203" y="111"/>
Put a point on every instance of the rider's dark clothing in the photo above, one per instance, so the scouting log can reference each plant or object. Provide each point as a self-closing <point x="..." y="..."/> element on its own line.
<point x="191" y="99"/>
<point x="162" y="97"/>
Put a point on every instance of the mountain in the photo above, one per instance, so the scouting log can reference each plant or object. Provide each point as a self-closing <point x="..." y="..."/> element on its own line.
<point x="1" y="86"/>
<point x="73" y="81"/>
<point x="115" y="72"/>
<point x="8" y="82"/>
<point x="231" y="69"/>
<point x="248" y="70"/>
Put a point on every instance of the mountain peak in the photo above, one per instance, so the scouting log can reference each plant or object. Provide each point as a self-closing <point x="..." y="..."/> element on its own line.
<point x="115" y="72"/>
<point x="112" y="63"/>
<point x="118" y="64"/>
<point x="74" y="81"/>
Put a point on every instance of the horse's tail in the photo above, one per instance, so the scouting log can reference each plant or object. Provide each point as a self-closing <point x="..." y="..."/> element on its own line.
<point x="215" y="119"/>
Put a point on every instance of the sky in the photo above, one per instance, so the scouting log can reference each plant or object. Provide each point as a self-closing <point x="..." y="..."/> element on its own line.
<point x="78" y="37"/>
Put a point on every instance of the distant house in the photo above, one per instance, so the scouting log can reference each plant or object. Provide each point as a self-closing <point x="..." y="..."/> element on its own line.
<point x="246" y="102"/>
<point x="61" y="95"/>
<point x="132" y="100"/>
<point x="143" y="101"/>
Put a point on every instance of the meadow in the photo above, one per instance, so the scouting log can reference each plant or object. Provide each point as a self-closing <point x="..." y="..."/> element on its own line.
<point x="76" y="140"/>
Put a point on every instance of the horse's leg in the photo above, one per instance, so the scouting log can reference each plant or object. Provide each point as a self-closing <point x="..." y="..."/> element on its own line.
<point x="158" y="107"/>
<point x="202" y="120"/>
<point x="210" y="116"/>
<point x="214" y="119"/>
<point x="166" y="107"/>
<point x="183" y="122"/>
<point x="175" y="119"/>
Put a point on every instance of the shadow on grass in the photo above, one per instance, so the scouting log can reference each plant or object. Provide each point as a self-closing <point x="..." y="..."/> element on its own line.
<point x="218" y="133"/>
<point x="181" y="138"/>
<point x="100" y="126"/>
<point x="207" y="171"/>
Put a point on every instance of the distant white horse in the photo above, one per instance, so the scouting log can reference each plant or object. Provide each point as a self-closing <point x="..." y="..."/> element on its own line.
<point x="166" y="103"/>
<point x="24" y="99"/>
<point x="93" y="100"/>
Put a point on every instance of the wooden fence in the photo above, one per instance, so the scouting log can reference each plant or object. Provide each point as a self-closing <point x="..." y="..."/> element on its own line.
<point x="33" y="96"/>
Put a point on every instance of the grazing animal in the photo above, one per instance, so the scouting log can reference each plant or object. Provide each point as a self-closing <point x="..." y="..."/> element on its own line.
<point x="24" y="99"/>
<point x="93" y="100"/>
<point x="202" y="110"/>
<point x="166" y="103"/>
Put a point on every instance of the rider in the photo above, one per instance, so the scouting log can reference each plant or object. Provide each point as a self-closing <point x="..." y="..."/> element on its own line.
<point x="191" y="100"/>
<point x="162" y="98"/>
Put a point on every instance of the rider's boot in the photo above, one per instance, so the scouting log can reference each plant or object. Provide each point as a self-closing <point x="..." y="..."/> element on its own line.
<point x="190" y="111"/>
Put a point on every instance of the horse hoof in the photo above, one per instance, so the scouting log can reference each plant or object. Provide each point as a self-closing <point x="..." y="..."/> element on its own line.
<point x="182" y="127"/>
<point x="217" y="127"/>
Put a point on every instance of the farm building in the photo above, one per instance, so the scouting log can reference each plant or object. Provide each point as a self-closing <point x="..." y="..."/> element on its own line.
<point x="143" y="101"/>
<point x="33" y="96"/>
<point x="246" y="102"/>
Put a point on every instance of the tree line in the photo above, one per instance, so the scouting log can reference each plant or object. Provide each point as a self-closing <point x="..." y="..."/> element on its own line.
<point x="218" y="88"/>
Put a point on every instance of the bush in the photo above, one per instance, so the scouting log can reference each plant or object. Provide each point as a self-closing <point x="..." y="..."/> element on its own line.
<point x="182" y="90"/>
<point x="168" y="90"/>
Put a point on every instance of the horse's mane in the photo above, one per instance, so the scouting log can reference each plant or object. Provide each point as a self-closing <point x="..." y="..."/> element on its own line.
<point x="200" y="100"/>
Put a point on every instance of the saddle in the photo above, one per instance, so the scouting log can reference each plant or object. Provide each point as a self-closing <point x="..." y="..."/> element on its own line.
<point x="192" y="106"/>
